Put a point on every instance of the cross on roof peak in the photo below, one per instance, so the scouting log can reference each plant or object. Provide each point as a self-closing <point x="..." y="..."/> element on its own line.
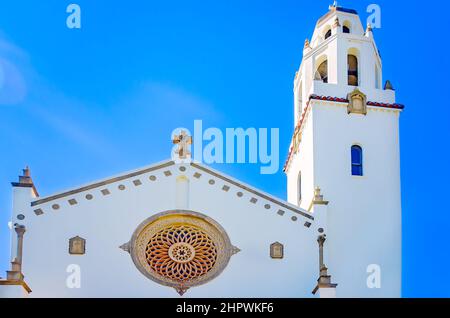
<point x="183" y="140"/>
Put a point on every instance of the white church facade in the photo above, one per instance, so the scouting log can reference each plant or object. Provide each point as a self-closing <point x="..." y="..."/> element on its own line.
<point x="180" y="228"/>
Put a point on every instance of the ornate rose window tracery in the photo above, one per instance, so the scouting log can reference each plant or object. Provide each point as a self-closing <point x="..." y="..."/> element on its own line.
<point x="181" y="252"/>
<point x="180" y="249"/>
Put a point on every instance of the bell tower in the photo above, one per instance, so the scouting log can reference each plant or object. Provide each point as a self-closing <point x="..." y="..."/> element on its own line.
<point x="346" y="142"/>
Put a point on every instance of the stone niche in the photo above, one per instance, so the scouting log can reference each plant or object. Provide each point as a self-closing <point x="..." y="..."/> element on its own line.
<point x="276" y="250"/>
<point x="357" y="103"/>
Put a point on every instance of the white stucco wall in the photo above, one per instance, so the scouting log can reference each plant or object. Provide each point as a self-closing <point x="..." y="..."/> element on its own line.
<point x="364" y="213"/>
<point x="364" y="225"/>
<point x="363" y="216"/>
<point x="106" y="222"/>
<point x="302" y="162"/>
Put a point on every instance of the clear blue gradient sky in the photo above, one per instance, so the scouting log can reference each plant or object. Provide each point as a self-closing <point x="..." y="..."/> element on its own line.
<point x="80" y="105"/>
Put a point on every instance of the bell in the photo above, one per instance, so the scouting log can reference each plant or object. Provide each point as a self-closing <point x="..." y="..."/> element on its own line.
<point x="353" y="80"/>
<point x="388" y="85"/>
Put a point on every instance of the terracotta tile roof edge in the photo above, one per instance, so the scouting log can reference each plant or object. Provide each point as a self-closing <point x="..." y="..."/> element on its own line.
<point x="345" y="100"/>
<point x="331" y="99"/>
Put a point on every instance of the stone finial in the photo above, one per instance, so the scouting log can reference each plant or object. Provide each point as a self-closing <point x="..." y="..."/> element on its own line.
<point x="334" y="5"/>
<point x="235" y="250"/>
<point x="317" y="199"/>
<point x="25" y="178"/>
<point x="307" y="44"/>
<point x="183" y="141"/>
<point x="181" y="289"/>
<point x="368" y="32"/>
<point x="388" y="85"/>
<point x="126" y="247"/>
<point x="317" y="195"/>
<point x="336" y="23"/>
<point x="25" y="181"/>
<point x="26" y="171"/>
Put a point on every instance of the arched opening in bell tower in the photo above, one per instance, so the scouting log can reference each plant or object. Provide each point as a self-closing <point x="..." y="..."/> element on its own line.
<point x="322" y="71"/>
<point x="352" y="67"/>
<point x="346" y="28"/>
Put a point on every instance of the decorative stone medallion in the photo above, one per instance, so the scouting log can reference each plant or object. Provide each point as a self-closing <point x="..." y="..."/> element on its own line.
<point x="180" y="249"/>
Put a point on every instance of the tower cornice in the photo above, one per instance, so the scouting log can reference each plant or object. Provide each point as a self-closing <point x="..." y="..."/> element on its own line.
<point x="296" y="138"/>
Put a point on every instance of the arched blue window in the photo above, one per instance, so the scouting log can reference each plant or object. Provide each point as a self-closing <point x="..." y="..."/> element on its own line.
<point x="357" y="161"/>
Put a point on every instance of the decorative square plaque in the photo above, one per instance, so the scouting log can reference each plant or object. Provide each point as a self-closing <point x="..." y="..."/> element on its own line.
<point x="276" y="250"/>
<point x="77" y="246"/>
<point x="357" y="102"/>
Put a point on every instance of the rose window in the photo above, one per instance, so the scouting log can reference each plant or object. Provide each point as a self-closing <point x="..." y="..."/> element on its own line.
<point x="181" y="252"/>
<point x="180" y="249"/>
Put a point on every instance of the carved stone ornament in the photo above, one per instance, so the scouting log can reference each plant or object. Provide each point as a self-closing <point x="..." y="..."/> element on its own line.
<point x="183" y="141"/>
<point x="180" y="249"/>
<point x="276" y="250"/>
<point x="307" y="45"/>
<point x="357" y="102"/>
<point x="388" y="85"/>
<point x="336" y="23"/>
<point x="77" y="246"/>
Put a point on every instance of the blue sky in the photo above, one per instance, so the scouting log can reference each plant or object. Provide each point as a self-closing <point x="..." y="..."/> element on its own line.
<point x="79" y="105"/>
